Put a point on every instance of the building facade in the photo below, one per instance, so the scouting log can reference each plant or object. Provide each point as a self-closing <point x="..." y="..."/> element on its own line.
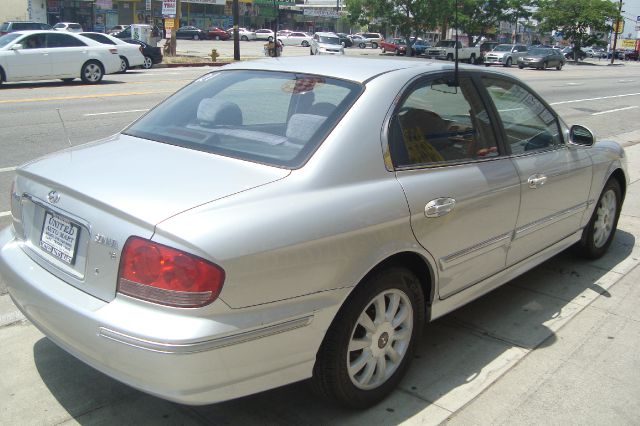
<point x="23" y="10"/>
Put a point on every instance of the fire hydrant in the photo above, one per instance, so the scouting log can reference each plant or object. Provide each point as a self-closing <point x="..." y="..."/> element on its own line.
<point x="214" y="55"/>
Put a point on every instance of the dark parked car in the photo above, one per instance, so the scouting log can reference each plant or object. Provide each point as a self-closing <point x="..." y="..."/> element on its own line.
<point x="542" y="58"/>
<point x="568" y="53"/>
<point x="11" y="26"/>
<point x="152" y="55"/>
<point x="194" y="33"/>
<point x="419" y="47"/>
<point x="345" y="40"/>
<point x="216" y="33"/>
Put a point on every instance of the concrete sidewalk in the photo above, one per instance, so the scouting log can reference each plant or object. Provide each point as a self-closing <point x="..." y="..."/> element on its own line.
<point x="558" y="345"/>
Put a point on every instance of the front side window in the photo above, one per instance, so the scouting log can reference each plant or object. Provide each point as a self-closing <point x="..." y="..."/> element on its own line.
<point x="438" y="124"/>
<point x="35" y="41"/>
<point x="7" y="39"/>
<point x="528" y="124"/>
<point x="274" y="118"/>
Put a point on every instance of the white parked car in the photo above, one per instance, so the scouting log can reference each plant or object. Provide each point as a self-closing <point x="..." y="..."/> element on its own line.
<point x="327" y="44"/>
<point x="264" y="34"/>
<point x="47" y="55"/>
<point x="297" y="39"/>
<point x="72" y="27"/>
<point x="130" y="54"/>
<point x="243" y="33"/>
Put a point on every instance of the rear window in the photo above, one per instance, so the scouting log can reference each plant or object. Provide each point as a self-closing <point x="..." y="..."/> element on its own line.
<point x="4" y="27"/>
<point x="23" y="26"/>
<point x="273" y="118"/>
<point x="58" y="26"/>
<point x="75" y="26"/>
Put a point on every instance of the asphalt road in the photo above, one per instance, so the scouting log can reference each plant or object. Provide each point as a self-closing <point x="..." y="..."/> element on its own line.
<point x="34" y="116"/>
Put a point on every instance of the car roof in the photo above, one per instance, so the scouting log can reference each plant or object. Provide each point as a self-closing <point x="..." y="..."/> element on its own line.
<point x="349" y="68"/>
<point x="326" y="34"/>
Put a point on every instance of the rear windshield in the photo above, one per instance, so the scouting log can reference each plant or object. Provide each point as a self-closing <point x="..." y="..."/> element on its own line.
<point x="75" y="26"/>
<point x="22" y="26"/>
<point x="329" y="40"/>
<point x="58" y="26"/>
<point x="273" y="118"/>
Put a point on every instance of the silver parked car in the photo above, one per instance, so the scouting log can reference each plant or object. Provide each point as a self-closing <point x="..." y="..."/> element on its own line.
<point x="282" y="220"/>
<point x="505" y="54"/>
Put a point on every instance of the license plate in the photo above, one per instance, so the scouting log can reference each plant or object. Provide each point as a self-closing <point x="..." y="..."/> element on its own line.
<point x="59" y="237"/>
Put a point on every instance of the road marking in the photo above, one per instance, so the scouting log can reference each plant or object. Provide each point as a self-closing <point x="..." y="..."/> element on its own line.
<point x="613" y="110"/>
<point x="575" y="84"/>
<point x="3" y="214"/>
<point x="594" y="99"/>
<point x="8" y="169"/>
<point x="96" y="96"/>
<point x="115" y="112"/>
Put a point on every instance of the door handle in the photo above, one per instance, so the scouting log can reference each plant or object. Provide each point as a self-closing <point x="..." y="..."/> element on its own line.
<point x="536" y="180"/>
<point x="439" y="207"/>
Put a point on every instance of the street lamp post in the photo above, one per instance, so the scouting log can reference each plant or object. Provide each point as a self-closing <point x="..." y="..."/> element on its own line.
<point x="615" y="32"/>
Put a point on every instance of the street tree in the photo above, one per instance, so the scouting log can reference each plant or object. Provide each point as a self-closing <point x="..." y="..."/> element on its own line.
<point x="580" y="21"/>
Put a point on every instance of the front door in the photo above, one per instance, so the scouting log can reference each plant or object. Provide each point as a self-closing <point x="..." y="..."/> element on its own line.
<point x="30" y="62"/>
<point x="67" y="54"/>
<point x="552" y="174"/>
<point x="463" y="192"/>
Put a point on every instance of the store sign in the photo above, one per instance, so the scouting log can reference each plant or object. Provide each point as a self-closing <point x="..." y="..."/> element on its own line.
<point x="321" y="13"/>
<point x="169" y="23"/>
<point x="168" y="7"/>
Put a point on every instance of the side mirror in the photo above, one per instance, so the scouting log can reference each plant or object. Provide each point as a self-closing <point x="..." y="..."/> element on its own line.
<point x="580" y="135"/>
<point x="17" y="46"/>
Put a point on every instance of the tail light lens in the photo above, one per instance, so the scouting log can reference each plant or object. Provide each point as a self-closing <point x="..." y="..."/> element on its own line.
<point x="164" y="275"/>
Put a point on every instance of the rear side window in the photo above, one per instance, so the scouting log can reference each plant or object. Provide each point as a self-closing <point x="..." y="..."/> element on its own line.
<point x="274" y="118"/>
<point x="63" y="40"/>
<point x="4" y="27"/>
<point x="99" y="38"/>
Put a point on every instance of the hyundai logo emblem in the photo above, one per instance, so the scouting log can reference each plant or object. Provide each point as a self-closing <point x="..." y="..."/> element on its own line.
<point x="53" y="197"/>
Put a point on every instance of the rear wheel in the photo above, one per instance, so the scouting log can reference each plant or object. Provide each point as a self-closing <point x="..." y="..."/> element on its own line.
<point x="305" y="43"/>
<point x="472" y="59"/>
<point x="148" y="63"/>
<point x="374" y="45"/>
<point x="244" y="38"/>
<point x="450" y="57"/>
<point x="370" y="343"/>
<point x="124" y="65"/>
<point x="362" y="45"/>
<point x="597" y="236"/>
<point x="196" y="37"/>
<point x="91" y="72"/>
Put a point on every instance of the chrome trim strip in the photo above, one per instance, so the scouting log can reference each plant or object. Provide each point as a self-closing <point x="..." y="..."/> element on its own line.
<point x="548" y="220"/>
<point x="207" y="345"/>
<point x="476" y="250"/>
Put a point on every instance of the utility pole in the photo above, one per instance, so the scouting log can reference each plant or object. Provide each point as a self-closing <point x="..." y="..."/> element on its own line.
<point x="236" y="36"/>
<point x="176" y="25"/>
<point x="615" y="32"/>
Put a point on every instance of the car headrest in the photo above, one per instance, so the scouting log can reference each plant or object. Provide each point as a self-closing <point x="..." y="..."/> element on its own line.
<point x="212" y="112"/>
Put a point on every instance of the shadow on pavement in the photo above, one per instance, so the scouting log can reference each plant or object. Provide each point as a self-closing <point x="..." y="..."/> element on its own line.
<point x="460" y="355"/>
<point x="49" y="84"/>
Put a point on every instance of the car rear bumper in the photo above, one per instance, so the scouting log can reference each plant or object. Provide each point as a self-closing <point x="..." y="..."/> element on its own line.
<point x="219" y="357"/>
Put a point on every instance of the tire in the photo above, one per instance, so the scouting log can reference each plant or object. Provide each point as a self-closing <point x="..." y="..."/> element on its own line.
<point x="374" y="45"/>
<point x="599" y="232"/>
<point x="148" y="63"/>
<point x="450" y="57"/>
<point x="397" y="52"/>
<point x="270" y="38"/>
<point x="196" y="37"/>
<point x="508" y="64"/>
<point x="360" y="323"/>
<point x="472" y="59"/>
<point x="545" y="65"/>
<point x="124" y="65"/>
<point x="559" y="66"/>
<point x="521" y="66"/>
<point x="305" y="43"/>
<point x="362" y="45"/>
<point x="487" y="65"/>
<point x="311" y="51"/>
<point x="91" y="72"/>
<point x="244" y="38"/>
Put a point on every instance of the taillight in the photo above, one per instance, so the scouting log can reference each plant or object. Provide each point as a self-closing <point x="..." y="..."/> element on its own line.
<point x="161" y="274"/>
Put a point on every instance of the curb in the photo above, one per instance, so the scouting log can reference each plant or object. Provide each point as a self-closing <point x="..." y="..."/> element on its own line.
<point x="192" y="64"/>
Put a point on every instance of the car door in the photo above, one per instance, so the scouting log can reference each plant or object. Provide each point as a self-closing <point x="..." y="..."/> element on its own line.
<point x="32" y="61"/>
<point x="552" y="174"/>
<point x="68" y="54"/>
<point x="463" y="192"/>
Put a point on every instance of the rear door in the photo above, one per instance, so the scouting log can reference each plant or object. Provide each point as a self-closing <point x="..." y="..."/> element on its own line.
<point x="463" y="192"/>
<point x="552" y="175"/>
<point x="67" y="53"/>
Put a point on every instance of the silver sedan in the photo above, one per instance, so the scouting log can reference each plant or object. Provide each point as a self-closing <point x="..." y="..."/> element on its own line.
<point x="300" y="218"/>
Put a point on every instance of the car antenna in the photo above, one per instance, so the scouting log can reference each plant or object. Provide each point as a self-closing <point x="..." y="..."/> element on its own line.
<point x="64" y="127"/>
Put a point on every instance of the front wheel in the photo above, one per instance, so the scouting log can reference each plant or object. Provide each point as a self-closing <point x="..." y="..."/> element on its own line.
<point x="450" y="57"/>
<point x="374" y="45"/>
<point x="472" y="59"/>
<point x="91" y="73"/>
<point x="559" y="66"/>
<point x="305" y="43"/>
<point x="597" y="236"/>
<point x="370" y="343"/>
<point x="508" y="64"/>
<point x="362" y="45"/>
<point x="196" y="37"/>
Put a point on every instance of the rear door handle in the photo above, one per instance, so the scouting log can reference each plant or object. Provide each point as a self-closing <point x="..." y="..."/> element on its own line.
<point x="439" y="207"/>
<point x="536" y="180"/>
